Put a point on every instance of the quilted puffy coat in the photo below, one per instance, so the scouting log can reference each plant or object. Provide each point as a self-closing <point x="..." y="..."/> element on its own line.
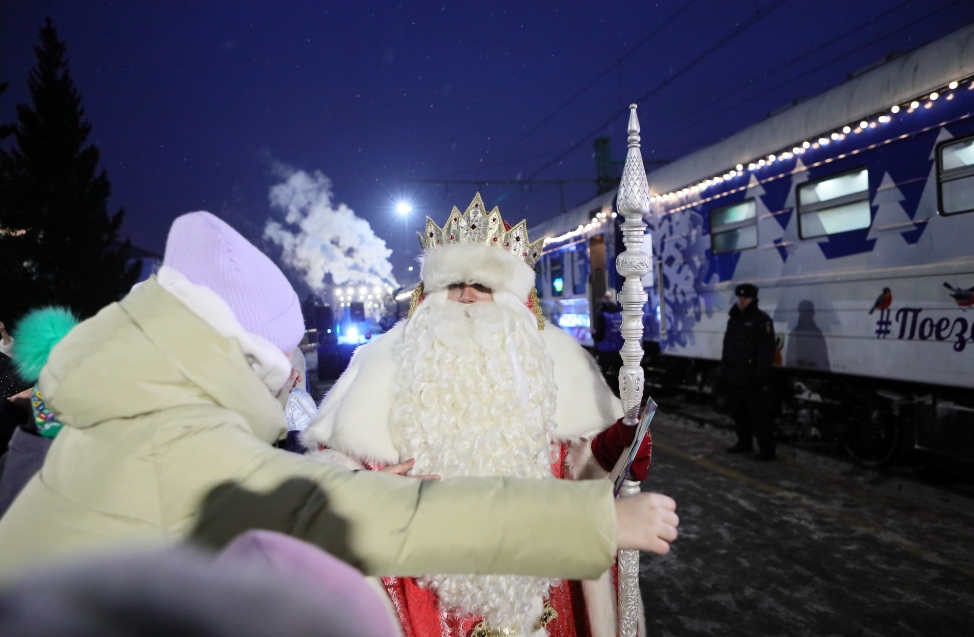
<point x="168" y="429"/>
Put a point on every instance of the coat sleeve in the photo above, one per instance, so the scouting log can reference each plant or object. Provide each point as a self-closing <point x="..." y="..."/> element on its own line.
<point x="725" y="354"/>
<point x="609" y="445"/>
<point x="599" y="323"/>
<point x="393" y="526"/>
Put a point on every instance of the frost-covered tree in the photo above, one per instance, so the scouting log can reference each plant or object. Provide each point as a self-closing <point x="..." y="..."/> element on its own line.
<point x="60" y="244"/>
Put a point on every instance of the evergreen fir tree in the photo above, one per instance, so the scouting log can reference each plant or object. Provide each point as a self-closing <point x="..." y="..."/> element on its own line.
<point x="10" y="278"/>
<point x="67" y="252"/>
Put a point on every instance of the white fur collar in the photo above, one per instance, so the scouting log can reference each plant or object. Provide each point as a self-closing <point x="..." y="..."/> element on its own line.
<point x="354" y="416"/>
<point x="268" y="362"/>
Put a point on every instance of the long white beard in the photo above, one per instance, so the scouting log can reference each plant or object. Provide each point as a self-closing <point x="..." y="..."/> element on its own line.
<point x="475" y="396"/>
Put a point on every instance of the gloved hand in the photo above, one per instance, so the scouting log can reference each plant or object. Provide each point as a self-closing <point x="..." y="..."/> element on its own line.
<point x="609" y="445"/>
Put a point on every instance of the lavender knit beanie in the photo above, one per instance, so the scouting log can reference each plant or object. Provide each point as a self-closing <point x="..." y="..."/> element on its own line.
<point x="209" y="252"/>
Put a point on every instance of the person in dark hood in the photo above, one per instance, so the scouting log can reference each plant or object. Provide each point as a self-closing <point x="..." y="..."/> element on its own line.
<point x="745" y="366"/>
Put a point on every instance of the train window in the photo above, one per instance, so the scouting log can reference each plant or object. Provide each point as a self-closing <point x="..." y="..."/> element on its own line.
<point x="579" y="270"/>
<point x="734" y="228"/>
<point x="955" y="176"/>
<point x="557" y="269"/>
<point x="836" y="204"/>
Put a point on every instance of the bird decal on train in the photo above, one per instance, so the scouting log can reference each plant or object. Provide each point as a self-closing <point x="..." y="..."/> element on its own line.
<point x="964" y="298"/>
<point x="883" y="301"/>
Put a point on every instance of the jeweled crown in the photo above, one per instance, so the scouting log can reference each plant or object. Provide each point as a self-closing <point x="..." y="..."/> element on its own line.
<point x="477" y="226"/>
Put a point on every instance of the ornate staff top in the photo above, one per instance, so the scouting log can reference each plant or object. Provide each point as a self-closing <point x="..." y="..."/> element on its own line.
<point x="633" y="264"/>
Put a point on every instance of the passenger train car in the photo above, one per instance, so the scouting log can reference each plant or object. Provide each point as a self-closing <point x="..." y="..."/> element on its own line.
<point x="854" y="214"/>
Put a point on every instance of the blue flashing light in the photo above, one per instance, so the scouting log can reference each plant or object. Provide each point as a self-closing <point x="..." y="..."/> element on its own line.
<point x="558" y="285"/>
<point x="351" y="335"/>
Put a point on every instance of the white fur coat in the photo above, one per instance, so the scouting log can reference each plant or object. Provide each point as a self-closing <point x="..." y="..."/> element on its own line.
<point x="353" y="422"/>
<point x="354" y="416"/>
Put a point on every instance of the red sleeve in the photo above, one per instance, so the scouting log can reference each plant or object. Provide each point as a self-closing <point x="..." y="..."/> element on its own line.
<point x="609" y="445"/>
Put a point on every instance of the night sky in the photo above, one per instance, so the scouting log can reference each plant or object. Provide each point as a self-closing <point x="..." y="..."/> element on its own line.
<point x="196" y="105"/>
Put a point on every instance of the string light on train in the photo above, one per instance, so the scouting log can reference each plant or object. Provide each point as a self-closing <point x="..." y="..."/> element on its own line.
<point x="597" y="221"/>
<point x="824" y="140"/>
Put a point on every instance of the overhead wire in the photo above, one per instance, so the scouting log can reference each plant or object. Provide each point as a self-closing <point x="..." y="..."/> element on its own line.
<point x="821" y="66"/>
<point x="704" y="107"/>
<point x="579" y="93"/>
<point x="730" y="36"/>
<point x="503" y="163"/>
<point x="789" y="64"/>
<point x="605" y="72"/>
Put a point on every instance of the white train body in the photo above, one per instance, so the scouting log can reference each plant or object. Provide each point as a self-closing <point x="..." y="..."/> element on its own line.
<point x="853" y="212"/>
<point x="820" y="302"/>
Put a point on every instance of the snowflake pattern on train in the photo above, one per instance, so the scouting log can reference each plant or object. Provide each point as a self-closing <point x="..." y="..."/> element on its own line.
<point x="680" y="239"/>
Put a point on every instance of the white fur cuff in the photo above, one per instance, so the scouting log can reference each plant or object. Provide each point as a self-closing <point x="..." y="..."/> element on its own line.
<point x="331" y="456"/>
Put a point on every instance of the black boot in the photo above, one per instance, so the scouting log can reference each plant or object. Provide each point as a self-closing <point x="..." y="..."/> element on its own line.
<point x="740" y="447"/>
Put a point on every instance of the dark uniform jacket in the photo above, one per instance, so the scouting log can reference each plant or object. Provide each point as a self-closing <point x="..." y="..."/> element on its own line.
<point x="748" y="346"/>
<point x="608" y="327"/>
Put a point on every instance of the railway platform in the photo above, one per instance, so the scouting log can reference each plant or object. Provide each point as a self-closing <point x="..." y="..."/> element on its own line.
<point x="791" y="548"/>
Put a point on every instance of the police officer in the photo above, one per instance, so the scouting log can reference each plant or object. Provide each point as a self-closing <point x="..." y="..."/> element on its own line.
<point x="607" y="334"/>
<point x="745" y="367"/>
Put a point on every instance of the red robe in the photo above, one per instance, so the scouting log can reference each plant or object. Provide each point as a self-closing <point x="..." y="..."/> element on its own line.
<point x="419" y="609"/>
<point x="420" y="614"/>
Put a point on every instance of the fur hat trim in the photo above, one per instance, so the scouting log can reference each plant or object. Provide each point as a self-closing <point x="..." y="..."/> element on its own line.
<point x="471" y="263"/>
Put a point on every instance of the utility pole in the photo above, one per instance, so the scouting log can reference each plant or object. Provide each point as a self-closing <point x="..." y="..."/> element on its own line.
<point x="521" y="182"/>
<point x="604" y="181"/>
